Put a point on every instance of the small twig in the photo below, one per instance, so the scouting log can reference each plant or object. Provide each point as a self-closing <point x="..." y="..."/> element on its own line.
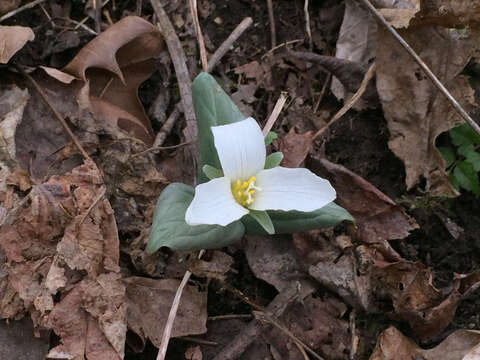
<point x="307" y="25"/>
<point x="274" y="115"/>
<point x="83" y="26"/>
<point x="368" y="76"/>
<point x="265" y="318"/>
<point x="323" y="91"/>
<point x="41" y="92"/>
<point x="355" y="338"/>
<point x="424" y="66"/>
<point x="275" y="309"/>
<point x="280" y="46"/>
<point x="106" y="13"/>
<point x="198" y="33"/>
<point x="20" y="9"/>
<point x="223" y="49"/>
<point x="139" y="7"/>
<point x="241" y="296"/>
<point x="158" y="148"/>
<point x="167" y="331"/>
<point x="198" y="341"/>
<point x="97" y="6"/>
<point x="229" y="317"/>
<point x="180" y="64"/>
<point x="271" y="19"/>
<point x="90" y="208"/>
<point x="167" y="126"/>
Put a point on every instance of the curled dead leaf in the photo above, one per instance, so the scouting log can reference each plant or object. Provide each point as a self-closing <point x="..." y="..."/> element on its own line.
<point x="12" y="39"/>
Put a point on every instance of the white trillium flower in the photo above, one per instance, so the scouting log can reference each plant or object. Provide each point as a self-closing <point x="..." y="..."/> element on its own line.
<point x="246" y="185"/>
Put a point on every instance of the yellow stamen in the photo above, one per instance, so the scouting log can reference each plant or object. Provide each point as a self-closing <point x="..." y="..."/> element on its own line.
<point x="243" y="191"/>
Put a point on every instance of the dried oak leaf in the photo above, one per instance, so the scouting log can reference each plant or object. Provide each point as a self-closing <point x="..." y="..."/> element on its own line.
<point x="111" y="67"/>
<point x="450" y="13"/>
<point x="215" y="268"/>
<point x="393" y="345"/>
<point x="378" y="218"/>
<point x="12" y="39"/>
<point x="315" y="322"/>
<point x="155" y="297"/>
<point x="295" y="148"/>
<point x="62" y="243"/>
<point x="416" y="112"/>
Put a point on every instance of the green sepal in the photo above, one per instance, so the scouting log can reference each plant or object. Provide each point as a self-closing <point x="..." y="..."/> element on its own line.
<point x="213" y="107"/>
<point x="212" y="172"/>
<point x="262" y="218"/>
<point x="273" y="160"/>
<point x="271" y="135"/>
<point x="170" y="229"/>
<point x="287" y="222"/>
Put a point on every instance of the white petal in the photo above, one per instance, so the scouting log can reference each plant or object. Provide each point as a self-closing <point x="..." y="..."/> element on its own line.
<point x="214" y="204"/>
<point x="291" y="189"/>
<point x="241" y="148"/>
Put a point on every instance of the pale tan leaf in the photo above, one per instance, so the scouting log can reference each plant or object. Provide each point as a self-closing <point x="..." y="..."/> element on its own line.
<point x="12" y="39"/>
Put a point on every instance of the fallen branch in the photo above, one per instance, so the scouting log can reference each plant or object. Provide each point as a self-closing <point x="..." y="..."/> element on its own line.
<point x="274" y="115"/>
<point x="424" y="66"/>
<point x="242" y="341"/>
<point x="180" y="64"/>
<point x="20" y="9"/>
<point x="271" y="19"/>
<point x="363" y="86"/>
<point x="223" y="49"/>
<point x="198" y="32"/>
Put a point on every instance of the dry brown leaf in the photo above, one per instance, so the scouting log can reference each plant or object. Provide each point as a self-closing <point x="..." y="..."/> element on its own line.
<point x="155" y="297"/>
<point x="112" y="66"/>
<point x="315" y="322"/>
<point x="393" y="345"/>
<point x="8" y="5"/>
<point x="415" y="111"/>
<point x="450" y="13"/>
<point x="12" y="39"/>
<point x="64" y="233"/>
<point x="295" y="148"/>
<point x="377" y="217"/>
<point x="216" y="268"/>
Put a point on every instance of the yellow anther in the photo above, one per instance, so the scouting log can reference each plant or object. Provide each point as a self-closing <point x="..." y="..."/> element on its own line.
<point x="243" y="191"/>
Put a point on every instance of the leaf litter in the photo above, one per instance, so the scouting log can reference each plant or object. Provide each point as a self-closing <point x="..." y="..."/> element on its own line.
<point x="73" y="232"/>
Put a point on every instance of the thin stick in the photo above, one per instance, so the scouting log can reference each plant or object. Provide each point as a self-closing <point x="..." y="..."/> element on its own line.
<point x="158" y="148"/>
<point x="274" y="115"/>
<point x="223" y="49"/>
<point x="265" y="318"/>
<point x="425" y="68"/>
<point x="198" y="32"/>
<point x="180" y="64"/>
<point x="363" y="86"/>
<point x="271" y="19"/>
<point x="229" y="317"/>
<point x="280" y="46"/>
<point x="95" y="201"/>
<point x="20" y="9"/>
<point x="97" y="5"/>
<point x="41" y="92"/>
<point x="167" y="126"/>
<point x="322" y="92"/>
<point x="139" y="7"/>
<point x="307" y="25"/>
<point x="275" y="309"/>
<point x="162" y="350"/>
<point x="198" y="341"/>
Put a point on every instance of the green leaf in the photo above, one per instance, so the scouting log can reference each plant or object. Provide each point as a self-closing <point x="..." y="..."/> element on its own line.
<point x="213" y="107"/>
<point x="212" y="172"/>
<point x="448" y="154"/>
<point x="170" y="229"/>
<point x="273" y="160"/>
<point x="270" y="137"/>
<point x="467" y="177"/>
<point x="287" y="222"/>
<point x="454" y="182"/>
<point x="471" y="155"/>
<point x="464" y="135"/>
<point x="262" y="218"/>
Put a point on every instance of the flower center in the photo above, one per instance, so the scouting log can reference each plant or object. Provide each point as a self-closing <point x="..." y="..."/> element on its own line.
<point x="243" y="191"/>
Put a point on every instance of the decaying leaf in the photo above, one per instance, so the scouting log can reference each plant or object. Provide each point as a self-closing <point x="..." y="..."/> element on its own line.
<point x="149" y="303"/>
<point x="377" y="217"/>
<point x="295" y="148"/>
<point x="393" y="345"/>
<point x="415" y="111"/>
<point x="216" y="268"/>
<point x="62" y="251"/>
<point x="12" y="39"/>
<point x="111" y="67"/>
